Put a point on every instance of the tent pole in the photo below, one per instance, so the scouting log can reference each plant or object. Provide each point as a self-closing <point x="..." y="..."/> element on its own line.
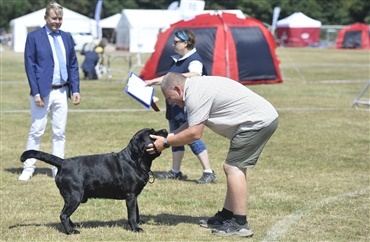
<point x="357" y="101"/>
<point x="227" y="57"/>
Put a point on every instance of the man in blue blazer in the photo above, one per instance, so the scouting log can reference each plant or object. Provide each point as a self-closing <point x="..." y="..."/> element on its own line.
<point x="53" y="76"/>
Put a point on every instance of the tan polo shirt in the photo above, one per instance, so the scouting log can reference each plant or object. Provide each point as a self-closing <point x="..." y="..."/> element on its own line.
<point x="226" y="106"/>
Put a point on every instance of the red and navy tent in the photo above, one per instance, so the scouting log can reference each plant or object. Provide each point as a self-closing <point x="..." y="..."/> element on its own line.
<point x="354" y="36"/>
<point x="242" y="49"/>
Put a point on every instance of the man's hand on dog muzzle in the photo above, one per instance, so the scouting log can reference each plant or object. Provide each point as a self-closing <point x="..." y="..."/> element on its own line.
<point x="156" y="146"/>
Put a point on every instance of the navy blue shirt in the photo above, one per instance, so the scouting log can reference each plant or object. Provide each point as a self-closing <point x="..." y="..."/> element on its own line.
<point x="174" y="112"/>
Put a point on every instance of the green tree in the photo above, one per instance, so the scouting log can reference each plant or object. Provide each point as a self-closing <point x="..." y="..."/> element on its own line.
<point x="261" y="10"/>
<point x="310" y="8"/>
<point x="12" y="9"/>
<point x="329" y="12"/>
<point x="337" y="17"/>
<point x="359" y="11"/>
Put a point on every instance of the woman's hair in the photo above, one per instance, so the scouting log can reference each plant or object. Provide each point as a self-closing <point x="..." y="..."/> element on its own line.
<point x="56" y="6"/>
<point x="187" y="36"/>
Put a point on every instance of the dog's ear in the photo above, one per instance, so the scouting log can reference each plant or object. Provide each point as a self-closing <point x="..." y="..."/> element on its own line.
<point x="139" y="140"/>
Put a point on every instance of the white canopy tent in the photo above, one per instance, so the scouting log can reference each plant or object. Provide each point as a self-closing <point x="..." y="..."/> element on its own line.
<point x="108" y="27"/>
<point x="298" y="30"/>
<point x="138" y="29"/>
<point x="138" y="35"/>
<point x="298" y="20"/>
<point x="110" y="22"/>
<point x="135" y="34"/>
<point x="73" y="22"/>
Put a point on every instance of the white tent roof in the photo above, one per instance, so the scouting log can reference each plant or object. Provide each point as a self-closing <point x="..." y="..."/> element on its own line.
<point x="72" y="22"/>
<point x="110" y="22"/>
<point x="298" y="20"/>
<point x="155" y="17"/>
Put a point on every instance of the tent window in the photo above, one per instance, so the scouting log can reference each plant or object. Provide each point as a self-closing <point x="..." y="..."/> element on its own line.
<point x="352" y="39"/>
<point x="255" y="61"/>
<point x="206" y="46"/>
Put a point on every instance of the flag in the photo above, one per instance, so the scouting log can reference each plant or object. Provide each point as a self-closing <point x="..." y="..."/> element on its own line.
<point x="97" y="17"/>
<point x="274" y="20"/>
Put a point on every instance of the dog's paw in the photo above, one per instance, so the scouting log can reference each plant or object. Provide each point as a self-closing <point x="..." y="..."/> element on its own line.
<point x="137" y="230"/>
<point x="73" y="231"/>
<point x="73" y="225"/>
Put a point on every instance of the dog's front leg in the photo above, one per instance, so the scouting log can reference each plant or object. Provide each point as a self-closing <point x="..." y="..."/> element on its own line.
<point x="132" y="209"/>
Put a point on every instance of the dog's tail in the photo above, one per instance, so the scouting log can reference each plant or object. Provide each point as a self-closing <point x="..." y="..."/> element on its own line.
<point x="48" y="158"/>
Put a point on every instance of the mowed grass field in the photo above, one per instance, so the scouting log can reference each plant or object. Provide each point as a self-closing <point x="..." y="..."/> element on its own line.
<point x="311" y="182"/>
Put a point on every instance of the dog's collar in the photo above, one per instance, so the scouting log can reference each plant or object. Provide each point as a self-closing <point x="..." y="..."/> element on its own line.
<point x="150" y="172"/>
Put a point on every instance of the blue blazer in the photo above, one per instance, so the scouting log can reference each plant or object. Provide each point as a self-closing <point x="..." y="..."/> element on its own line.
<point x="39" y="63"/>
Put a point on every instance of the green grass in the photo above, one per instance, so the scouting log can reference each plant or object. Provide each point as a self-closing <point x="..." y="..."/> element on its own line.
<point x="312" y="178"/>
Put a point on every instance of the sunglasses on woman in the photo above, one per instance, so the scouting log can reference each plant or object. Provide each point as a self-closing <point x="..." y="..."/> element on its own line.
<point x="177" y="41"/>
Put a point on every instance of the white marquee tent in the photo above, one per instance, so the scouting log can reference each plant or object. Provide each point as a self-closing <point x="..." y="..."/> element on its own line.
<point x="110" y="22"/>
<point x="299" y="20"/>
<point x="72" y="22"/>
<point x="138" y="29"/>
<point x="298" y="30"/>
<point x="138" y="35"/>
<point x="108" y="27"/>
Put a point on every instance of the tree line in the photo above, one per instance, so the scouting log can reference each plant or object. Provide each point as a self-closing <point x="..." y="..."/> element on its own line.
<point x="329" y="12"/>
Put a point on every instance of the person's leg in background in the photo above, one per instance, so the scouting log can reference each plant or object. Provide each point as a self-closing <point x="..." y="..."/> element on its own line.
<point x="177" y="156"/>
<point x="39" y="116"/>
<point x="58" y="114"/>
<point x="200" y="150"/>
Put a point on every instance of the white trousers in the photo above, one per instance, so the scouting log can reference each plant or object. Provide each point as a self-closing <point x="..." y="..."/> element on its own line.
<point x="57" y="105"/>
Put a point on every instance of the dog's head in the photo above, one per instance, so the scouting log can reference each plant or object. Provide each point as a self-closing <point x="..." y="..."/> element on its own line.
<point x="141" y="140"/>
<point x="143" y="136"/>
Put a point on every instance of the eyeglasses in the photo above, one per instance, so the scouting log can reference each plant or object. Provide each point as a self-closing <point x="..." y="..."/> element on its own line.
<point x="177" y="41"/>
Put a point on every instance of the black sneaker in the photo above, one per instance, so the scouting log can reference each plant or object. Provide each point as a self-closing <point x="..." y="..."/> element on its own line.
<point x="170" y="175"/>
<point x="207" y="178"/>
<point x="231" y="227"/>
<point x="215" y="222"/>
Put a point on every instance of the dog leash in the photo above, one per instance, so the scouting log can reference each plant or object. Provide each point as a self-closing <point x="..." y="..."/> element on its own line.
<point x="150" y="172"/>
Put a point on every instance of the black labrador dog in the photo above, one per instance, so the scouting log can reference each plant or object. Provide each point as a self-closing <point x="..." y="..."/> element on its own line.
<point x="121" y="175"/>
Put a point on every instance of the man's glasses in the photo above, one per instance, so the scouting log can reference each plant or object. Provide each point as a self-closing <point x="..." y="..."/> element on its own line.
<point x="177" y="41"/>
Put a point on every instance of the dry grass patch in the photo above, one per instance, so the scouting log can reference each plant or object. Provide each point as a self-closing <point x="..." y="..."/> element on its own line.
<point x="315" y="169"/>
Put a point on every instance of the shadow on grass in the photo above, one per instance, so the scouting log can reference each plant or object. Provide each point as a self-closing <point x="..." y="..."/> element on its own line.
<point x="158" y="174"/>
<point x="47" y="171"/>
<point x="160" y="219"/>
<point x="38" y="171"/>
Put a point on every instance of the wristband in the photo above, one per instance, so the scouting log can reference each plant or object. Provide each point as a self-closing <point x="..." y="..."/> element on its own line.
<point x="165" y="143"/>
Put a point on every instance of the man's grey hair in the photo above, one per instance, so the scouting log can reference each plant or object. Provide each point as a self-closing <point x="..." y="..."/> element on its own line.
<point x="172" y="79"/>
<point x="56" y="6"/>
